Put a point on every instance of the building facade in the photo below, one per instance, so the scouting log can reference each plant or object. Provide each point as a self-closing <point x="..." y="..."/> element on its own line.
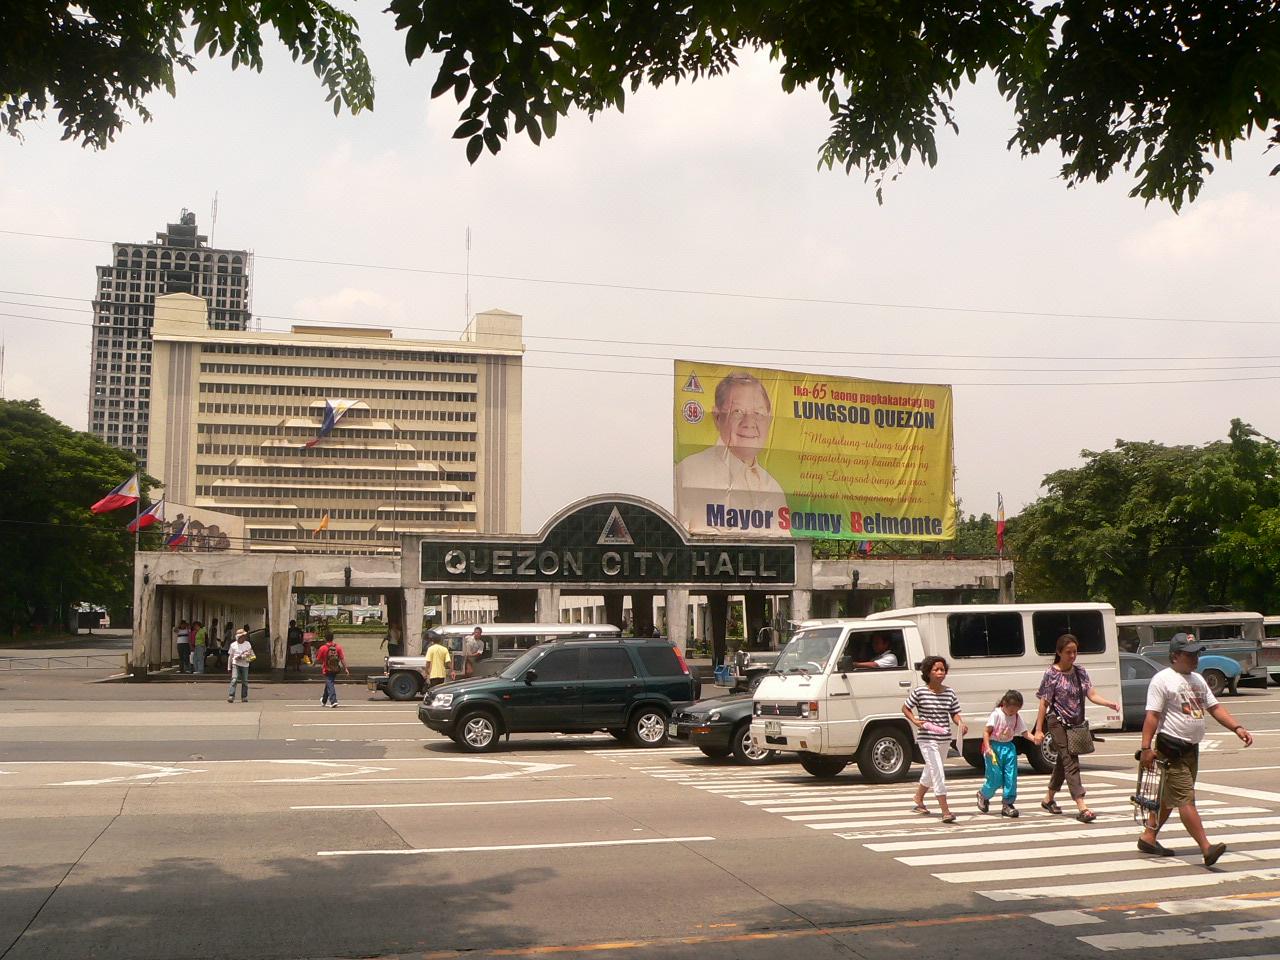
<point x="430" y="440"/>
<point x="178" y="261"/>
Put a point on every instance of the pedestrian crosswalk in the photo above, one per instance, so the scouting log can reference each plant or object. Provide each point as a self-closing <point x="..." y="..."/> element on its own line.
<point x="1036" y="856"/>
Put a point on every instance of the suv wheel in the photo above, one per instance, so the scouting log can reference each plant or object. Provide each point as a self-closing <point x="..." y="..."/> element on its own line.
<point x="648" y="727"/>
<point x="815" y="764"/>
<point x="884" y="755"/>
<point x="477" y="731"/>
<point x="402" y="686"/>
<point x="746" y="752"/>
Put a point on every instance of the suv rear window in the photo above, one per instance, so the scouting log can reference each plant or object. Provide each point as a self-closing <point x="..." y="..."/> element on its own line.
<point x="986" y="635"/>
<point x="1084" y="625"/>
<point x="660" y="660"/>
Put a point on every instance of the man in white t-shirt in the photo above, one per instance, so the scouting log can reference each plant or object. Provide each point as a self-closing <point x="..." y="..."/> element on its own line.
<point x="882" y="657"/>
<point x="472" y="651"/>
<point x="1177" y="702"/>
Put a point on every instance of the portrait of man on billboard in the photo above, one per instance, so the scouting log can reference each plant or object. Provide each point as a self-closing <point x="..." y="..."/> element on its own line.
<point x="725" y="485"/>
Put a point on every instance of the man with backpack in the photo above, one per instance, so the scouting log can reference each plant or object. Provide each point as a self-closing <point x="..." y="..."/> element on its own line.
<point x="331" y="659"/>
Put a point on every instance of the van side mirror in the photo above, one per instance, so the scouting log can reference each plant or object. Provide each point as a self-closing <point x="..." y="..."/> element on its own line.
<point x="530" y="676"/>
<point x="919" y="664"/>
<point x="845" y="664"/>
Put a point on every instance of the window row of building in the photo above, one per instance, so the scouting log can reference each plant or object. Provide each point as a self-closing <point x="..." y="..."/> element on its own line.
<point x="333" y="453"/>
<point x="308" y="390"/>
<point x="341" y="432"/>
<point x="340" y="353"/>
<point x="224" y="491"/>
<point x="372" y="473"/>
<point x="339" y="373"/>
<point x="358" y="413"/>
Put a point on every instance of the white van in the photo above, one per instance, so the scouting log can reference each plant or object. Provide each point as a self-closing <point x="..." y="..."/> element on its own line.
<point x="817" y="704"/>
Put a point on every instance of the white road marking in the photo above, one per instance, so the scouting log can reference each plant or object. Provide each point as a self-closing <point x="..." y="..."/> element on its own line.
<point x="1238" y="792"/>
<point x="363" y="723"/>
<point x="1181" y="937"/>
<point x="1074" y="850"/>
<point x="445" y="803"/>
<point x="1128" y="887"/>
<point x="1082" y="833"/>
<point x="1066" y="918"/>
<point x="152" y="772"/>
<point x="1093" y="866"/>
<point x="511" y="846"/>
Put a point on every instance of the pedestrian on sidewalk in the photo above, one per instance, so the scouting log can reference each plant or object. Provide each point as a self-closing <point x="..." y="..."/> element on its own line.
<point x="332" y="658"/>
<point x="239" y="656"/>
<point x="1177" y="700"/>
<point x="472" y="651"/>
<point x="439" y="664"/>
<point x="931" y="709"/>
<point x="294" y="652"/>
<point x="1001" y="756"/>
<point x="1063" y="690"/>
<point x="182" y="633"/>
<point x="198" y="648"/>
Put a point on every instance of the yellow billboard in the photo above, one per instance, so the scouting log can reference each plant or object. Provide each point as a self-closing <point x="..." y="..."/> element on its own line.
<point x="763" y="452"/>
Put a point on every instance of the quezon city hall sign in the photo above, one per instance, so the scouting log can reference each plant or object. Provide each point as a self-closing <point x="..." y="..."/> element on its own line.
<point x="608" y="542"/>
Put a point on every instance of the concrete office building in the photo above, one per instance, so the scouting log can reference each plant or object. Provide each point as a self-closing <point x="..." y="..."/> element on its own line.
<point x="430" y="442"/>
<point x="178" y="261"/>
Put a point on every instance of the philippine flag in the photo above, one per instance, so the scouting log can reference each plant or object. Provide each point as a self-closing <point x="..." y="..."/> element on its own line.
<point x="147" y="517"/>
<point x="334" y="410"/>
<point x="125" y="495"/>
<point x="178" y="537"/>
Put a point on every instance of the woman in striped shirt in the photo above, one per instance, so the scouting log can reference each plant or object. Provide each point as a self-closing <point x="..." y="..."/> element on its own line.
<point x="931" y="709"/>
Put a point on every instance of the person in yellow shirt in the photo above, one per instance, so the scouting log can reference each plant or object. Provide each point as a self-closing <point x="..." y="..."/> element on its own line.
<point x="439" y="664"/>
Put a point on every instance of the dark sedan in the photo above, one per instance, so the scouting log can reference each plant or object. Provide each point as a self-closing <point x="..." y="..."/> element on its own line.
<point x="719" y="728"/>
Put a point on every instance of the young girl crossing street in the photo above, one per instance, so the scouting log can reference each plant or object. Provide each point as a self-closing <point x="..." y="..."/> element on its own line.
<point x="1000" y="754"/>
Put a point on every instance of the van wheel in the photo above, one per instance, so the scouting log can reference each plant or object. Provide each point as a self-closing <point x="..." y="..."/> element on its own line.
<point x="884" y="755"/>
<point x="1217" y="681"/>
<point x="1044" y="757"/>
<point x="478" y="731"/>
<point x="648" y="727"/>
<point x="1233" y="685"/>
<point x="402" y="686"/>
<point x="822" y="767"/>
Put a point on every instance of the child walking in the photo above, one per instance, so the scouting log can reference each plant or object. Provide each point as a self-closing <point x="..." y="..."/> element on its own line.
<point x="930" y="709"/>
<point x="1001" y="756"/>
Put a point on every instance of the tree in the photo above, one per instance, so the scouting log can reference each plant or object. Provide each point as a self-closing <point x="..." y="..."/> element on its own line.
<point x="1148" y="527"/>
<point x="1156" y="87"/>
<point x="56" y="551"/>
<point x="89" y="59"/>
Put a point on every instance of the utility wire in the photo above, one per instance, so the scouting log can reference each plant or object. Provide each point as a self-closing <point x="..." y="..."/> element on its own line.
<point x="690" y="291"/>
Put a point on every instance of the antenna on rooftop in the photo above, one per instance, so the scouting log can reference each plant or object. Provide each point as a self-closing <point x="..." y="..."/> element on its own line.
<point x="467" y="304"/>
<point x="213" y="218"/>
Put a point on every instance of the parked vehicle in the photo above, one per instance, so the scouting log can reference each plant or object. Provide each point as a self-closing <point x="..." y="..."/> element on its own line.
<point x="1136" y="672"/>
<point x="1237" y="635"/>
<point x="818" y="705"/>
<point x="749" y="667"/>
<point x="627" y="686"/>
<point x="402" y="677"/>
<point x="720" y="727"/>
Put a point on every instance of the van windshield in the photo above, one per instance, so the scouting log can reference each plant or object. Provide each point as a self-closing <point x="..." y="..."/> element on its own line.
<point x="808" y="651"/>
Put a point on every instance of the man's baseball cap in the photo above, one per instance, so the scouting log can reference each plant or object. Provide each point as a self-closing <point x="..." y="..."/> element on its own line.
<point x="1185" y="643"/>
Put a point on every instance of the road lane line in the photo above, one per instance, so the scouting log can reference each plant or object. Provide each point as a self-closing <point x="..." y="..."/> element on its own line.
<point x="1239" y="792"/>
<point x="511" y="846"/>
<point x="362" y="723"/>
<point x="1091" y="867"/>
<point x="1080" y="832"/>
<point x="1074" y="850"/>
<point x="448" y="803"/>
<point x="1147" y="911"/>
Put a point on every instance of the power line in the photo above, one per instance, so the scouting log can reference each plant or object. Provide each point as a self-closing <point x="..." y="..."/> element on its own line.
<point x="694" y="292"/>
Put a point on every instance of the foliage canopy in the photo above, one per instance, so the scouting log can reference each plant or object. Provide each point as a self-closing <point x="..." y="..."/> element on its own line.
<point x="1158" y="88"/>
<point x="56" y="552"/>
<point x="1152" y="528"/>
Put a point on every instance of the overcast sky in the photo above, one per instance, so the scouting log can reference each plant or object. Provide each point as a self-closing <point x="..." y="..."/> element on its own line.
<point x="705" y="187"/>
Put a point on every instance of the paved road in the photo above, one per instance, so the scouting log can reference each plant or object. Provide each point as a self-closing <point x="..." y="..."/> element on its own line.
<point x="162" y="822"/>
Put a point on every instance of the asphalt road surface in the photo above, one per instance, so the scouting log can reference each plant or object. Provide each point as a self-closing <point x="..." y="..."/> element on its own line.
<point x="159" y="821"/>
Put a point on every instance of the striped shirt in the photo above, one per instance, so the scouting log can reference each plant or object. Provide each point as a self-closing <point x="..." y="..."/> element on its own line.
<point x="935" y="710"/>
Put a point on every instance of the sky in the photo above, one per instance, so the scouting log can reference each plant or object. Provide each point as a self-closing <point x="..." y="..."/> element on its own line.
<point x="1047" y="308"/>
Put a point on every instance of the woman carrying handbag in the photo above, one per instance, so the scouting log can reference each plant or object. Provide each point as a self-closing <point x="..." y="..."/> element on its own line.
<point x="1062" y="693"/>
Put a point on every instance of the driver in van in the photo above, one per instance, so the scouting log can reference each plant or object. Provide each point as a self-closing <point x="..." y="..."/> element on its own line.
<point x="883" y="657"/>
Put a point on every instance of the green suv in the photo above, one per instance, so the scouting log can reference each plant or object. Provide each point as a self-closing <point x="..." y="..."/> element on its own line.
<point x="629" y="687"/>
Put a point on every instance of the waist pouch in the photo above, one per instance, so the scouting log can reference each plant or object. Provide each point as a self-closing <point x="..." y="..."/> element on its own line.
<point x="1174" y="748"/>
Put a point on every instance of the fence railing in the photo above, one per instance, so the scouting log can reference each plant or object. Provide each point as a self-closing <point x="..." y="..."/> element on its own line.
<point x="81" y="661"/>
